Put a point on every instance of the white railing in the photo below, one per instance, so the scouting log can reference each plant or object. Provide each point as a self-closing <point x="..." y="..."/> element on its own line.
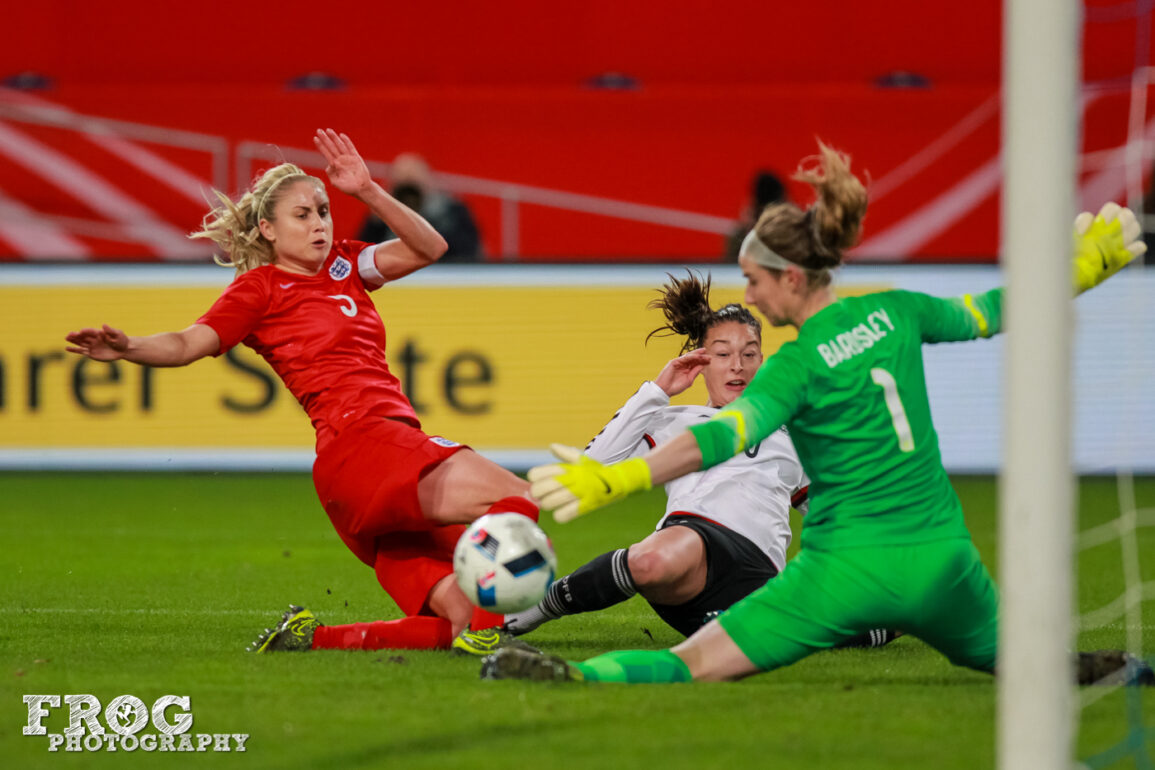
<point x="230" y="166"/>
<point x="47" y="114"/>
<point x="510" y="195"/>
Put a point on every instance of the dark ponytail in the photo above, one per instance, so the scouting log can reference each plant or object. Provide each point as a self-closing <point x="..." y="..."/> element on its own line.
<point x="686" y="304"/>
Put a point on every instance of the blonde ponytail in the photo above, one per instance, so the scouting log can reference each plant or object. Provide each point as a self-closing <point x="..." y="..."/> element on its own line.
<point x="836" y="216"/>
<point x="816" y="239"/>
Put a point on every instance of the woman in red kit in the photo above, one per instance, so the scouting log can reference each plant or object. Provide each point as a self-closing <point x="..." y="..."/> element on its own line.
<point x="398" y="497"/>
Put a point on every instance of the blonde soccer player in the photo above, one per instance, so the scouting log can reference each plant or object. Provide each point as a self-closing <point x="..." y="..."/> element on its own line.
<point x="398" y="497"/>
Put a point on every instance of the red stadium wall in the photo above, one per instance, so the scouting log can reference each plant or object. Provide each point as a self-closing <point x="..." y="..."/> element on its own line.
<point x="506" y="96"/>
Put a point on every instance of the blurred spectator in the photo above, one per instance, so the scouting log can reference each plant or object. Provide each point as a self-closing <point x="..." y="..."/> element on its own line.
<point x="766" y="188"/>
<point x="412" y="183"/>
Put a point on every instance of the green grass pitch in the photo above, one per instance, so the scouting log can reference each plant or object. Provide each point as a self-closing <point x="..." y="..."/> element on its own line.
<point x="153" y="583"/>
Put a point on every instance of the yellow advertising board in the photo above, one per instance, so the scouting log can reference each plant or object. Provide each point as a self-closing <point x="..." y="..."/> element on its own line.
<point x="499" y="365"/>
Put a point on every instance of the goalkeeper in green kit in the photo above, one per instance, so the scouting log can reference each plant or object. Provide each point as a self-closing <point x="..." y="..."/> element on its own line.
<point x="884" y="544"/>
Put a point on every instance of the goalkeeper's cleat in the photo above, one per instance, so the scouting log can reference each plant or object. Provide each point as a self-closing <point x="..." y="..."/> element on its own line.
<point x="876" y="637"/>
<point x="512" y="663"/>
<point x="1115" y="668"/>
<point x="486" y="641"/>
<point x="294" y="633"/>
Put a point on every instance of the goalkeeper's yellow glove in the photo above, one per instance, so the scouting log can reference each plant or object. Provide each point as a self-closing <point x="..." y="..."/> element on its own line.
<point x="1104" y="244"/>
<point x="580" y="484"/>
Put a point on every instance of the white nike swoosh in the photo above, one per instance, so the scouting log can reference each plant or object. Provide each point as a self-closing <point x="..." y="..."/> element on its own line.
<point x="284" y="285"/>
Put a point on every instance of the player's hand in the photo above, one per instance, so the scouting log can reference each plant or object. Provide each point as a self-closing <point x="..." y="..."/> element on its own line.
<point x="346" y="168"/>
<point x="580" y="484"/>
<point x="679" y="374"/>
<point x="104" y="344"/>
<point x="1104" y="244"/>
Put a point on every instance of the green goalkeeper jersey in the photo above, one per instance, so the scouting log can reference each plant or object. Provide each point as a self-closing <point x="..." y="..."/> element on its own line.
<point x="852" y="393"/>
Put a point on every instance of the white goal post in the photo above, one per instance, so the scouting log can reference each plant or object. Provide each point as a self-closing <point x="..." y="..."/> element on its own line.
<point x="1041" y="71"/>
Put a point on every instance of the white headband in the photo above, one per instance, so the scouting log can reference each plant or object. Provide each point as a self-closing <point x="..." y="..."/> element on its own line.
<point x="761" y="254"/>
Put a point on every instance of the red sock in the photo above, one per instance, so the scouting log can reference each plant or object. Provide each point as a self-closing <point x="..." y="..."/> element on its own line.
<point x="413" y="633"/>
<point x="483" y="619"/>
<point x="516" y="504"/>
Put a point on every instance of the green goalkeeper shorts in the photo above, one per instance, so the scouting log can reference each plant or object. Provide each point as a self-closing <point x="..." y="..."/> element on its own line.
<point x="939" y="592"/>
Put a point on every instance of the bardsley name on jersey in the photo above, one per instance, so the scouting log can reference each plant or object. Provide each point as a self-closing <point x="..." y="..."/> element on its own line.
<point x="850" y="343"/>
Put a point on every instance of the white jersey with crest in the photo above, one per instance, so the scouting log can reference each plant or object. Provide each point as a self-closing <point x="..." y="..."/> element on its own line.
<point x="751" y="493"/>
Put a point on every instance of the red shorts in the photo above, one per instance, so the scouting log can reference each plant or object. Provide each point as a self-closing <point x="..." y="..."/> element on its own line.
<point x="366" y="478"/>
<point x="409" y="564"/>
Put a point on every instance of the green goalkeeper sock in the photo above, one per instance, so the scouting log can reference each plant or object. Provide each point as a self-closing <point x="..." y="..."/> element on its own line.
<point x="635" y="667"/>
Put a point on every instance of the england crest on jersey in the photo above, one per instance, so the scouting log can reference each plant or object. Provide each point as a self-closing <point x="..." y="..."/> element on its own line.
<point x="340" y="269"/>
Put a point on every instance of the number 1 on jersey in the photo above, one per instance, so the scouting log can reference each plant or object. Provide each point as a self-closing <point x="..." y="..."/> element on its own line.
<point x="885" y="380"/>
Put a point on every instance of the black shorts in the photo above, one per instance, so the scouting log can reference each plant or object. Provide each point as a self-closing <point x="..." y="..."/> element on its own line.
<point x="734" y="568"/>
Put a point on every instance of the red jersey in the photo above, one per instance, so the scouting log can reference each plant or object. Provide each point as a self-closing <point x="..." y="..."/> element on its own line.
<point x="321" y="334"/>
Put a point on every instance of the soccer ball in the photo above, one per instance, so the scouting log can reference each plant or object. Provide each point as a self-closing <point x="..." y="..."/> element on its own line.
<point x="504" y="562"/>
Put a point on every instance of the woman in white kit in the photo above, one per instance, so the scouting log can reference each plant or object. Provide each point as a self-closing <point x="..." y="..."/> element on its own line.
<point x="726" y="529"/>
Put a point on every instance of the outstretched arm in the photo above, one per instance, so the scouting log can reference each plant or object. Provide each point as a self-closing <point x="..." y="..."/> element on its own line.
<point x="164" y="349"/>
<point x="674" y="459"/>
<point x="581" y="484"/>
<point x="417" y="244"/>
<point x="1103" y="245"/>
